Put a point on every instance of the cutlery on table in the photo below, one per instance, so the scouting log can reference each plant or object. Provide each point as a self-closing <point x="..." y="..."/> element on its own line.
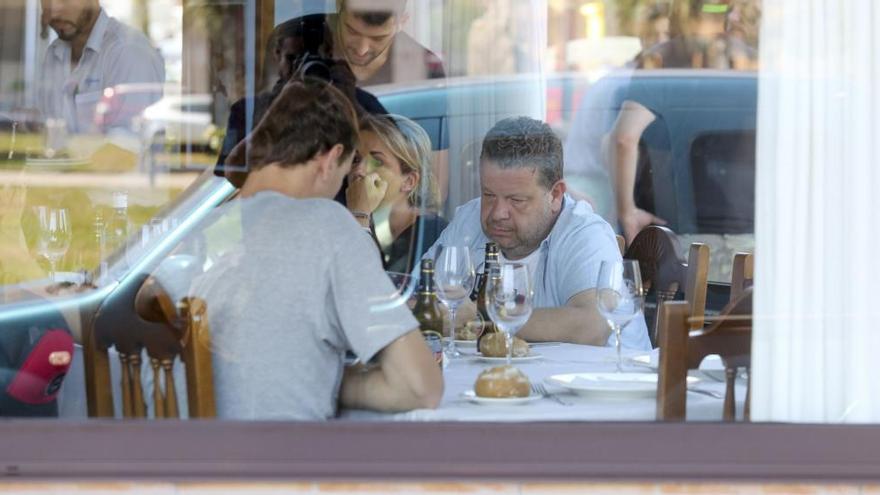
<point x="541" y="390"/>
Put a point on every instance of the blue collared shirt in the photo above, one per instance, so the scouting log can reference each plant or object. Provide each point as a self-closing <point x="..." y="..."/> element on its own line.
<point x="114" y="54"/>
<point x="569" y="261"/>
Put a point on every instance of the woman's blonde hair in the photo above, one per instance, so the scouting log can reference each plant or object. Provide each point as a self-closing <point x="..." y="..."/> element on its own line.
<point x="410" y="144"/>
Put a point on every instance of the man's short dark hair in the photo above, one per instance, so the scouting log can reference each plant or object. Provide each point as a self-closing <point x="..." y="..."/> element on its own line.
<point x="311" y="31"/>
<point x="306" y="119"/>
<point x="379" y="16"/>
<point x="520" y="142"/>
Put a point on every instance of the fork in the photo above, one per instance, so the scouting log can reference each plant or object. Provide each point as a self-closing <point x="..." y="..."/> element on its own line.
<point x="541" y="390"/>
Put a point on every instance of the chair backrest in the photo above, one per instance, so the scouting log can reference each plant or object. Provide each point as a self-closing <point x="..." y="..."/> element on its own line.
<point x="664" y="273"/>
<point x="681" y="349"/>
<point x="743" y="274"/>
<point x="183" y="332"/>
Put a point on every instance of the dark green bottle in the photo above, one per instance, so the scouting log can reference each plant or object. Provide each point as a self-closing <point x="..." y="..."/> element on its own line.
<point x="427" y="311"/>
<point x="490" y="270"/>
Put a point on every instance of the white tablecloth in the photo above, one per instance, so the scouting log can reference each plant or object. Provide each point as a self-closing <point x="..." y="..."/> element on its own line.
<point x="461" y="373"/>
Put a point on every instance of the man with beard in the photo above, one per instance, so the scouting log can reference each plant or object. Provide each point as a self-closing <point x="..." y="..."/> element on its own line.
<point x="368" y="34"/>
<point x="94" y="52"/>
<point x="524" y="208"/>
<point x="297" y="44"/>
<point x="370" y="37"/>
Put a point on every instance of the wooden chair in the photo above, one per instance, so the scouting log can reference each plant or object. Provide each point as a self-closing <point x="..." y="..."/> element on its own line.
<point x="665" y="274"/>
<point x="621" y="244"/>
<point x="743" y="274"/>
<point x="681" y="349"/>
<point x="182" y="331"/>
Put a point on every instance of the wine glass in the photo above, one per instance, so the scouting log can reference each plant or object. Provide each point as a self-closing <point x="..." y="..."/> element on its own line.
<point x="454" y="277"/>
<point x="54" y="235"/>
<point x="509" y="299"/>
<point x="619" y="296"/>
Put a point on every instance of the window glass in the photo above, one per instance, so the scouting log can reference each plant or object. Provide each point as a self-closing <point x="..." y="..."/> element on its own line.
<point x="338" y="210"/>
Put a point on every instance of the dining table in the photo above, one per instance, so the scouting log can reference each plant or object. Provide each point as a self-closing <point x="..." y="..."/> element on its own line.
<point x="559" y="402"/>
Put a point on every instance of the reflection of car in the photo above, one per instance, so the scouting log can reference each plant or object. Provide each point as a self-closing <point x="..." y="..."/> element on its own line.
<point x="183" y="119"/>
<point x="458" y="112"/>
<point x="158" y="112"/>
<point x="701" y="181"/>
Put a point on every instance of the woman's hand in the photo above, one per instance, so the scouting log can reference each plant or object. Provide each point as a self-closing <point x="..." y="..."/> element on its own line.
<point x="365" y="193"/>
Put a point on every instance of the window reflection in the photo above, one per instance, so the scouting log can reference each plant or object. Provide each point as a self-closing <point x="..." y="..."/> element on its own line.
<point x="112" y="112"/>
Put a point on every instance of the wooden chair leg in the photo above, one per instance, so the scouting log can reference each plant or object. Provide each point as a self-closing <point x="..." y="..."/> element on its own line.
<point x="729" y="395"/>
<point x="158" y="399"/>
<point x="672" y="379"/>
<point x="139" y="407"/>
<point x="127" y="410"/>
<point x="747" y="409"/>
<point x="99" y="389"/>
<point x="171" y="410"/>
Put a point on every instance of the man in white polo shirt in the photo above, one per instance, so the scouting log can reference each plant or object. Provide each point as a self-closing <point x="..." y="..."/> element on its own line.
<point x="524" y="208"/>
<point x="94" y="52"/>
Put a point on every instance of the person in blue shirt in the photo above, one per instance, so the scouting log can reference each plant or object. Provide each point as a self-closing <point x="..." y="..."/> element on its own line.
<point x="524" y="208"/>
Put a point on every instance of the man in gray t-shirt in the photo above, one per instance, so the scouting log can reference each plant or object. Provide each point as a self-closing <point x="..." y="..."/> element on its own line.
<point x="304" y="283"/>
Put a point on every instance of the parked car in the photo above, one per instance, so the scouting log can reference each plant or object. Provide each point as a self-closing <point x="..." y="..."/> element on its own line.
<point x="160" y="115"/>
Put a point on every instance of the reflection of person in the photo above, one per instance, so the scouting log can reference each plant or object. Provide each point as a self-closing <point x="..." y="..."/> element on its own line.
<point x="94" y="52"/>
<point x="372" y="41"/>
<point x="699" y="41"/>
<point x="491" y="48"/>
<point x="292" y="40"/>
<point x="394" y="156"/>
<point x="304" y="285"/>
<point x="524" y="208"/>
<point x="655" y="26"/>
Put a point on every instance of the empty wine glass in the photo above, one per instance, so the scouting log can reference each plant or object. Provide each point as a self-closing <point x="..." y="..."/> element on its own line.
<point x="54" y="235"/>
<point x="454" y="277"/>
<point x="509" y="299"/>
<point x="619" y="296"/>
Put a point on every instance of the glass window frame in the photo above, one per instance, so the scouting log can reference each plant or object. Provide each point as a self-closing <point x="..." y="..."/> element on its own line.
<point x="100" y="448"/>
<point x="456" y="451"/>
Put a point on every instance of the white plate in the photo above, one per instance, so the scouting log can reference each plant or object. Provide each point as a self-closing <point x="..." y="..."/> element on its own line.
<point x="710" y="362"/>
<point x="491" y="401"/>
<point x="622" y="385"/>
<point x="534" y="356"/>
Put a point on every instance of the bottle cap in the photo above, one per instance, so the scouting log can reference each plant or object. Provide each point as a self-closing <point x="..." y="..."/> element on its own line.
<point x="120" y="200"/>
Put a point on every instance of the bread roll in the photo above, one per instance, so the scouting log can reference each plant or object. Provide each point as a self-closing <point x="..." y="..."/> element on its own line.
<point x="470" y="331"/>
<point x="495" y="345"/>
<point x="502" y="382"/>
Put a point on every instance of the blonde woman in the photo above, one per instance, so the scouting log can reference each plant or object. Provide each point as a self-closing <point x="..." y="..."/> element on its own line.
<point x="392" y="187"/>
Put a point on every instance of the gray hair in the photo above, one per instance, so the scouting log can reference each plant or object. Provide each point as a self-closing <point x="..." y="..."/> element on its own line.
<point x="521" y="142"/>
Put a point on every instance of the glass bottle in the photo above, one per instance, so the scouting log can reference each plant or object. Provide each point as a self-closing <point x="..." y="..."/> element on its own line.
<point x="118" y="225"/>
<point x="490" y="269"/>
<point x="427" y="311"/>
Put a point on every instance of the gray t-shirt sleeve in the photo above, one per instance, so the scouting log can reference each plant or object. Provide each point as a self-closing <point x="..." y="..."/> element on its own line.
<point x="362" y="299"/>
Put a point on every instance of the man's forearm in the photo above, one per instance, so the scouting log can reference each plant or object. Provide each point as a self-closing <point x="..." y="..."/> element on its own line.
<point x="406" y="378"/>
<point x="577" y="325"/>
<point x="367" y="388"/>
<point x="626" y="155"/>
